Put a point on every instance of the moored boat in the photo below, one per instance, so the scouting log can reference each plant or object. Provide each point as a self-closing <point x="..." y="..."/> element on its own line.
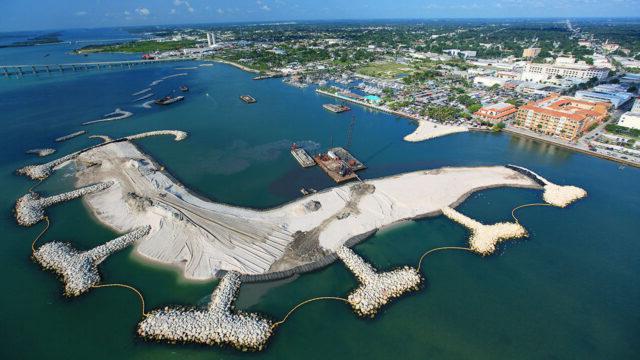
<point x="167" y="100"/>
<point x="248" y="99"/>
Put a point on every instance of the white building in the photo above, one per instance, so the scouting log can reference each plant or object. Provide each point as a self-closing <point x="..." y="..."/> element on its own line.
<point x="615" y="94"/>
<point x="564" y="68"/>
<point x="630" y="120"/>
<point x="489" y="81"/>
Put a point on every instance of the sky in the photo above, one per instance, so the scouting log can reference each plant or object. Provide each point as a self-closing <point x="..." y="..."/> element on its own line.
<point x="51" y="14"/>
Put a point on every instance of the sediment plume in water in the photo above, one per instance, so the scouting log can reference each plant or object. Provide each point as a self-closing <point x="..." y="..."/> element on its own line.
<point x="79" y="270"/>
<point x="484" y="238"/>
<point x="376" y="289"/>
<point x="29" y="208"/>
<point x="41" y="152"/>
<point x="71" y="136"/>
<point x="218" y="324"/>
<point x="117" y="114"/>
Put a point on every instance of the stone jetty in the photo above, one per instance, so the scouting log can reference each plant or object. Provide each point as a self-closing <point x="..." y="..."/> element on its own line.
<point x="117" y="114"/>
<point x="484" y="238"/>
<point x="41" y="152"/>
<point x="29" y="208"/>
<point x="79" y="270"/>
<point x="104" y="138"/>
<point x="376" y="289"/>
<point x="218" y="324"/>
<point x="179" y="135"/>
<point x="42" y="171"/>
<point x="556" y="195"/>
<point x="71" y="136"/>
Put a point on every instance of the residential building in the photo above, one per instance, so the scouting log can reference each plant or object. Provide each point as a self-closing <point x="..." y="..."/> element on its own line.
<point x="531" y="52"/>
<point x="617" y="95"/>
<point x="496" y="113"/>
<point x="562" y="68"/>
<point x="561" y="116"/>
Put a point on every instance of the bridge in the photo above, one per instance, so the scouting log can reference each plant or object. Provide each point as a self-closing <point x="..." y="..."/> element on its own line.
<point x="20" y="70"/>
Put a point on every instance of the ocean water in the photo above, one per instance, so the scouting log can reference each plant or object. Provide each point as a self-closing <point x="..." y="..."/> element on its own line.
<point x="569" y="291"/>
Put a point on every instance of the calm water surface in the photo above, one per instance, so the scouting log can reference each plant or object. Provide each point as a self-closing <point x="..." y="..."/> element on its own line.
<point x="569" y="291"/>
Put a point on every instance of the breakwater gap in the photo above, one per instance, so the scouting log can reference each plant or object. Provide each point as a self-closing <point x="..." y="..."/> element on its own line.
<point x="34" y="69"/>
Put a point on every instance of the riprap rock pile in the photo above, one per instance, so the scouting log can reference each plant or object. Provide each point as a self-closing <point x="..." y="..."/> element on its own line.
<point x="215" y="325"/>
<point x="79" y="270"/>
<point x="484" y="238"/>
<point x="376" y="289"/>
<point x="41" y="152"/>
<point x="180" y="135"/>
<point x="556" y="195"/>
<point x="30" y="208"/>
<point x="42" y="171"/>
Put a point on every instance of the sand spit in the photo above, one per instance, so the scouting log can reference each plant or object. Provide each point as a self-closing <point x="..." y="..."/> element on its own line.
<point x="79" y="270"/>
<point x="376" y="289"/>
<point x="141" y="92"/>
<point x="104" y="138"/>
<point x="29" y="208"/>
<point x="484" y="238"/>
<point x="428" y="130"/>
<point x="556" y="195"/>
<point x="42" y="171"/>
<point x="41" y="152"/>
<point x="202" y="237"/>
<point x="218" y="324"/>
<point x="71" y="136"/>
<point x="179" y="135"/>
<point x="143" y="97"/>
<point x="117" y="114"/>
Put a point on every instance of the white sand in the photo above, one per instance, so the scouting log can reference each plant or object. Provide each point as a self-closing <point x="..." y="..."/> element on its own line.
<point x="428" y="130"/>
<point x="202" y="236"/>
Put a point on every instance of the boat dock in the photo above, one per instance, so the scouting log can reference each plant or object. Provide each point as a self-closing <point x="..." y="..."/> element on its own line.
<point x="302" y="157"/>
<point x="339" y="164"/>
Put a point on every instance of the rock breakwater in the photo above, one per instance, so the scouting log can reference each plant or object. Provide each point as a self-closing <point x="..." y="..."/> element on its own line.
<point x="484" y="238"/>
<point x="376" y="289"/>
<point x="41" y="152"/>
<point x="29" y="208"/>
<point x="218" y="324"/>
<point x="79" y="270"/>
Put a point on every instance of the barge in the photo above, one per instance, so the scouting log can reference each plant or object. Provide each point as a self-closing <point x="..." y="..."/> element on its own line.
<point x="168" y="100"/>
<point x="336" y="108"/>
<point x="339" y="164"/>
<point x="248" y="99"/>
<point x="302" y="156"/>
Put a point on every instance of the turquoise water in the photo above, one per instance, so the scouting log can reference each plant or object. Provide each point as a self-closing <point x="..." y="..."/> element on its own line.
<point x="569" y="291"/>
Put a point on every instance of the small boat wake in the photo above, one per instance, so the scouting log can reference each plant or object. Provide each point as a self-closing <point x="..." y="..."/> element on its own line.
<point x="147" y="105"/>
<point x="143" y="97"/>
<point x="117" y="114"/>
<point x="141" y="92"/>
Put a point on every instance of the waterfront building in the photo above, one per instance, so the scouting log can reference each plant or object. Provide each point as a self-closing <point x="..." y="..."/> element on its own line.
<point x="561" y="116"/>
<point x="630" y="120"/>
<point x="616" y="94"/>
<point x="563" y="68"/>
<point x="531" y="52"/>
<point x="496" y="113"/>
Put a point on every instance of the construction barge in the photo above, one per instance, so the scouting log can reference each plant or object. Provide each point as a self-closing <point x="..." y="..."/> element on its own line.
<point x="248" y="99"/>
<point x="336" y="108"/>
<point x="339" y="164"/>
<point x="302" y="156"/>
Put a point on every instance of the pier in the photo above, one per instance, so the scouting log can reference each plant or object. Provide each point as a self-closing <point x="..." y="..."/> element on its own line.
<point x="34" y="69"/>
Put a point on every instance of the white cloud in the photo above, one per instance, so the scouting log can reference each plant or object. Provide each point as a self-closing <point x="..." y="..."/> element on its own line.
<point x="143" y="11"/>
<point x="172" y="11"/>
<point x="185" y="3"/>
<point x="220" y="11"/>
<point x="126" y="12"/>
<point x="81" y="13"/>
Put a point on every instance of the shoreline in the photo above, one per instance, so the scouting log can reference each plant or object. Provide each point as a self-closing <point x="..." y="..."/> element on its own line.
<point x="264" y="244"/>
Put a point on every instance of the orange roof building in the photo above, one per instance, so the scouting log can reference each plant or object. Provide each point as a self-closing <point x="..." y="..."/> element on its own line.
<point x="500" y="112"/>
<point x="561" y="116"/>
